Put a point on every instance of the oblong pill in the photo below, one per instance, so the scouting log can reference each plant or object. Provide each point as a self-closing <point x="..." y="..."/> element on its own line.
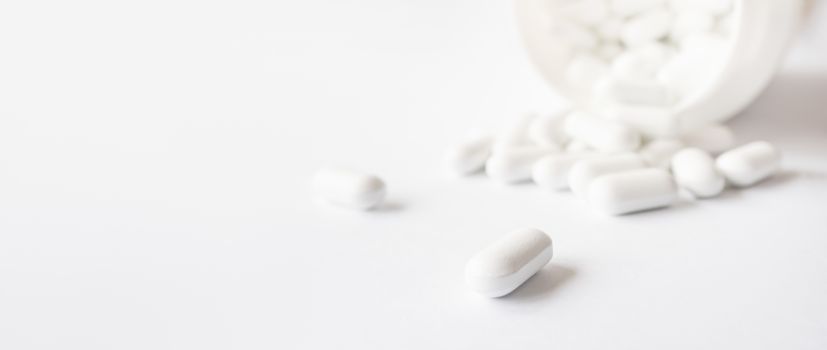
<point x="469" y="156"/>
<point x="695" y="171"/>
<point x="552" y="172"/>
<point x="632" y="191"/>
<point x="602" y="135"/>
<point x="349" y="188"/>
<point x="504" y="265"/>
<point x="750" y="163"/>
<point x="713" y="138"/>
<point x="585" y="171"/>
<point x="514" y="165"/>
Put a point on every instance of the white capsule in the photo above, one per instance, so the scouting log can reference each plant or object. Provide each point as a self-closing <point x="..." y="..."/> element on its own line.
<point x="632" y="191"/>
<point x="650" y="121"/>
<point x="695" y="171"/>
<point x="585" y="171"/>
<point x="547" y="130"/>
<point x="646" y="27"/>
<point x="659" y="152"/>
<point x="749" y="164"/>
<point x="515" y="134"/>
<point x="641" y="63"/>
<point x="647" y="92"/>
<point x="625" y="8"/>
<point x="469" y="156"/>
<point x="713" y="138"/>
<point x="600" y="134"/>
<point x="506" y="264"/>
<point x="349" y="188"/>
<point x="514" y="165"/>
<point x="552" y="172"/>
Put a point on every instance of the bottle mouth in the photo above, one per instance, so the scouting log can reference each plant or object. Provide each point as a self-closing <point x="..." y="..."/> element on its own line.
<point x="667" y="56"/>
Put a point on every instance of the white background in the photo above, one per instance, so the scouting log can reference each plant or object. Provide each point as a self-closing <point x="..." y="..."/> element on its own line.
<point x="154" y="167"/>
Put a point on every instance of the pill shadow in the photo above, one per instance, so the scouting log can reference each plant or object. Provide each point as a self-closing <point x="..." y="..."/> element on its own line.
<point x="389" y="206"/>
<point x="543" y="283"/>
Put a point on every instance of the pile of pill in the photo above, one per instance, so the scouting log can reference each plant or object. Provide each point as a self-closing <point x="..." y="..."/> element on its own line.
<point x="636" y="59"/>
<point x="610" y="165"/>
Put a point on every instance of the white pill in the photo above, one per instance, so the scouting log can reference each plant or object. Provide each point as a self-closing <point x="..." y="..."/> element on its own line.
<point x="632" y="191"/>
<point x="585" y="70"/>
<point x="600" y="134"/>
<point x="642" y="62"/>
<point x="507" y="263"/>
<point x="749" y="164"/>
<point x="630" y="7"/>
<point x="633" y="91"/>
<point x="713" y="138"/>
<point x="649" y="121"/>
<point x="585" y="171"/>
<point x="689" y="23"/>
<point x="552" y="172"/>
<point x="576" y="35"/>
<point x="349" y="188"/>
<point x="646" y="27"/>
<point x="695" y="171"/>
<point x="515" y="165"/>
<point x="547" y="130"/>
<point x="659" y="152"/>
<point x="515" y="134"/>
<point x="469" y="156"/>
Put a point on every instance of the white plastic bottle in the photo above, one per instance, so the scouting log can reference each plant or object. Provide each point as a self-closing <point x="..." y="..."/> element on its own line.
<point x="757" y="36"/>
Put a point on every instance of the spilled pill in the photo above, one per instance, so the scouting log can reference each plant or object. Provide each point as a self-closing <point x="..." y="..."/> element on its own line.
<point x="601" y="134"/>
<point x="586" y="171"/>
<point x="749" y="164"/>
<point x="695" y="171"/>
<point x="632" y="191"/>
<point x="504" y="265"/>
<point x="349" y="188"/>
<point x="514" y="165"/>
<point x="469" y="156"/>
<point x="552" y="172"/>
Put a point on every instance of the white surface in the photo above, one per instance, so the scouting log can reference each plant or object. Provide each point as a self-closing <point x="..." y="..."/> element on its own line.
<point x="155" y="160"/>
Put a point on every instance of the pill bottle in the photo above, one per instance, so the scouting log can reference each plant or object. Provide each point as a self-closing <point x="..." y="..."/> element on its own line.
<point x="759" y="33"/>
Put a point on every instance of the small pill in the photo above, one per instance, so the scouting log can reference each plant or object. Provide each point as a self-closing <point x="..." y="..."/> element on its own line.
<point x="713" y="138"/>
<point x="646" y="27"/>
<point x="650" y="121"/>
<point x="750" y="163"/>
<point x="506" y="264"/>
<point x="632" y="191"/>
<point x="547" y="130"/>
<point x="515" y="165"/>
<point x="641" y="63"/>
<point x="349" y="188"/>
<point x="695" y="171"/>
<point x="552" y="172"/>
<point x="585" y="171"/>
<point x="659" y="152"/>
<point x="600" y="134"/>
<point x="469" y="156"/>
